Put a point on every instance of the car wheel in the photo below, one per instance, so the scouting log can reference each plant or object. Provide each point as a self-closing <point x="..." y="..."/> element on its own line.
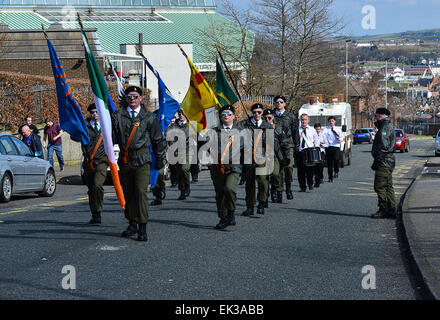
<point x="6" y="188"/>
<point x="50" y="185"/>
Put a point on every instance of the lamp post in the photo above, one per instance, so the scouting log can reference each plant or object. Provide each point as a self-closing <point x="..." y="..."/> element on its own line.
<point x="386" y="84"/>
<point x="347" y="41"/>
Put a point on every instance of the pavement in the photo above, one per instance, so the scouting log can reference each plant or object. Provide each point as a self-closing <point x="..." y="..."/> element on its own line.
<point x="421" y="224"/>
<point x="420" y="220"/>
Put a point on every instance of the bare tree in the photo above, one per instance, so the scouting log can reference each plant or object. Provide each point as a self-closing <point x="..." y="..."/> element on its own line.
<point x="374" y="98"/>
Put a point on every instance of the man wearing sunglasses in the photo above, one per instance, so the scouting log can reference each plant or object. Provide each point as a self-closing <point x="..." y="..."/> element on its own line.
<point x="281" y="159"/>
<point x="257" y="127"/>
<point x="95" y="165"/>
<point x="290" y="128"/>
<point x="225" y="173"/>
<point x="135" y="129"/>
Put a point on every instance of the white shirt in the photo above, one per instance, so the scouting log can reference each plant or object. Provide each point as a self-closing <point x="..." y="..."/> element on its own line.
<point x="310" y="137"/>
<point x="255" y="122"/>
<point x="322" y="141"/>
<point x="136" y="111"/>
<point x="92" y="123"/>
<point x="279" y="113"/>
<point x="331" y="138"/>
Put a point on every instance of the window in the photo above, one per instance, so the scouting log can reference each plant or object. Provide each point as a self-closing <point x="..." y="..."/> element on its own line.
<point x="2" y="150"/>
<point x="362" y="131"/>
<point x="23" y="149"/>
<point x="399" y="133"/>
<point x="8" y="146"/>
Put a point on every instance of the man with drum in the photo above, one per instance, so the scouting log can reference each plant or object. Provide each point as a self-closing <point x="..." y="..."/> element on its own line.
<point x="308" y="152"/>
<point x="332" y="152"/>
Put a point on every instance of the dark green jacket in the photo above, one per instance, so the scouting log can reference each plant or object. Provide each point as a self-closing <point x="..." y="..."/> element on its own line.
<point x="94" y="137"/>
<point x="148" y="133"/>
<point x="180" y="126"/>
<point x="234" y="153"/>
<point x="290" y="126"/>
<point x="384" y="144"/>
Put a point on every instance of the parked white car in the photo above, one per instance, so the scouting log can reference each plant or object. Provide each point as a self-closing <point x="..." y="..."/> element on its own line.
<point x="23" y="172"/>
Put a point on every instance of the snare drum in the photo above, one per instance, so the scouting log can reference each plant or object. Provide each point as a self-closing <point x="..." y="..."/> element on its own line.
<point x="313" y="156"/>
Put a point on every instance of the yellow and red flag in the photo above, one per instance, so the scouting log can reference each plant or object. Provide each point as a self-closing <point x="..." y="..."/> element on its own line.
<point x="198" y="98"/>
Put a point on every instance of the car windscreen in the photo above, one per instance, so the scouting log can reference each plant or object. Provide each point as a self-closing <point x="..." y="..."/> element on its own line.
<point x="8" y="146"/>
<point x="362" y="131"/>
<point x="399" y="133"/>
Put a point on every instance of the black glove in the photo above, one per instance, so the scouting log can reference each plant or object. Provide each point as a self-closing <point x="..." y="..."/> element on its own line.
<point x="375" y="165"/>
<point x="284" y="163"/>
<point x="159" y="164"/>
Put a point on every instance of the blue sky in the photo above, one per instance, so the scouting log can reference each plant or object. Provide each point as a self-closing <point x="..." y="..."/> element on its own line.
<point x="391" y="15"/>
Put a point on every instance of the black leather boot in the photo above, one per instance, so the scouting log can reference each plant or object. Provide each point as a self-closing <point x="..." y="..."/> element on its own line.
<point x="131" y="230"/>
<point x="274" y="196"/>
<point x="222" y="224"/>
<point x="142" y="232"/>
<point x="248" y="212"/>
<point x="279" y="197"/>
<point x="96" y="218"/>
<point x="231" y="218"/>
<point x="260" y="207"/>
<point x="289" y="193"/>
<point x="156" y="202"/>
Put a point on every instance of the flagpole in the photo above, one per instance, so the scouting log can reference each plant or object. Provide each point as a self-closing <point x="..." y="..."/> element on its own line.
<point x="232" y="80"/>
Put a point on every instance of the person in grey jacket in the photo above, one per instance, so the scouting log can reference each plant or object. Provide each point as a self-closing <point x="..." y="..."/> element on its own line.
<point x="383" y="149"/>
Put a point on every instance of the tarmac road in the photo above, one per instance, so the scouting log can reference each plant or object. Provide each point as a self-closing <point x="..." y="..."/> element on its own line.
<point x="313" y="247"/>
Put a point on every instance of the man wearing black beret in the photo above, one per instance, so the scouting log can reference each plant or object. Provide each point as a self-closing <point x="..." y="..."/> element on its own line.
<point x="290" y="127"/>
<point x="95" y="165"/>
<point x="256" y="126"/>
<point x="135" y="129"/>
<point x="224" y="172"/>
<point x="383" y="149"/>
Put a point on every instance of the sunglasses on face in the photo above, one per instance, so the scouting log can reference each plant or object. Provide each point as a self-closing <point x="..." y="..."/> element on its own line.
<point x="227" y="114"/>
<point x="279" y="102"/>
<point x="93" y="112"/>
<point x="133" y="96"/>
<point x="268" y="118"/>
<point x="257" y="112"/>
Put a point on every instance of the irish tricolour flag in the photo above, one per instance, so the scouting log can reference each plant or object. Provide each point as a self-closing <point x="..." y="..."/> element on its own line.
<point x="103" y="101"/>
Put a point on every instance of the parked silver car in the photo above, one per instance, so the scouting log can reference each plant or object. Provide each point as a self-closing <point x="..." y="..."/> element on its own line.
<point x="22" y="172"/>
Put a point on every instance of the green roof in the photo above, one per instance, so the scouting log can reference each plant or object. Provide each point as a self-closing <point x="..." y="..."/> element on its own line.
<point x="181" y="29"/>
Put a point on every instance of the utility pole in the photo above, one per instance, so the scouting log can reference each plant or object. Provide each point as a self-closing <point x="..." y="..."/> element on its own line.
<point x="347" y="41"/>
<point x="386" y="84"/>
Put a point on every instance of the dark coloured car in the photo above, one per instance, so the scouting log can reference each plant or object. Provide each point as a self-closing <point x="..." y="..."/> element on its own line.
<point x="402" y="141"/>
<point x="362" y="135"/>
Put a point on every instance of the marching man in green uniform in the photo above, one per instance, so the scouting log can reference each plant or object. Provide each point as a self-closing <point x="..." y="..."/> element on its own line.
<point x="383" y="149"/>
<point x="135" y="128"/>
<point x="225" y="173"/>
<point x="281" y="159"/>
<point x="184" y="164"/>
<point x="256" y="122"/>
<point x="95" y="165"/>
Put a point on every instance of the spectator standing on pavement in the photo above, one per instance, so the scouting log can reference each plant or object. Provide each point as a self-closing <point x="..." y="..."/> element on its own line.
<point x="32" y="140"/>
<point x="95" y="165"/>
<point x="31" y="126"/>
<point x="135" y="129"/>
<point x="383" y="149"/>
<point x="53" y="132"/>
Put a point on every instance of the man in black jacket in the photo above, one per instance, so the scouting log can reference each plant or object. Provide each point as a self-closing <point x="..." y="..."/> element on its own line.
<point x="95" y="165"/>
<point x="135" y="129"/>
<point x="290" y="128"/>
<point x="32" y="140"/>
<point x="383" y="149"/>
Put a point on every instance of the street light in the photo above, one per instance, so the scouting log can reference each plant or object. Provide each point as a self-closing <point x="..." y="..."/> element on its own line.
<point x="346" y="69"/>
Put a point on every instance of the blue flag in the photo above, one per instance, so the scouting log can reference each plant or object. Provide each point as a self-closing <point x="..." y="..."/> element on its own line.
<point x="71" y="117"/>
<point x="168" y="107"/>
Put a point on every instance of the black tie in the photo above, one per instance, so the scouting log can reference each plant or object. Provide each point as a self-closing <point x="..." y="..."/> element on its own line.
<point x="133" y="115"/>
<point x="336" y="135"/>
<point x="96" y="127"/>
<point x="304" y="139"/>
